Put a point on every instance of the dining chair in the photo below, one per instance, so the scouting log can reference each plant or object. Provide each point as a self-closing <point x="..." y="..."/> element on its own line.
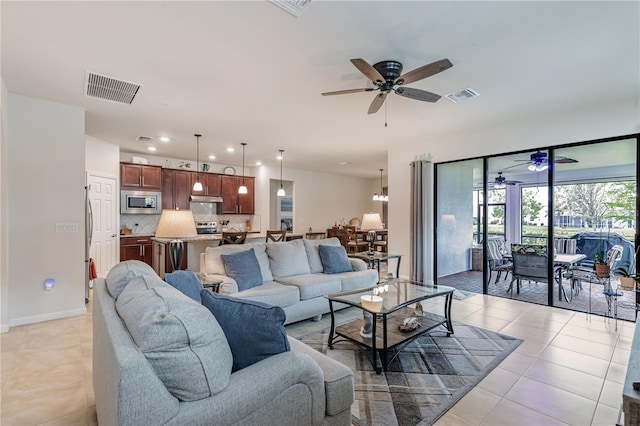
<point x="276" y="236"/>
<point x="353" y="243"/>
<point x="233" y="238"/>
<point x="529" y="263"/>
<point x="497" y="261"/>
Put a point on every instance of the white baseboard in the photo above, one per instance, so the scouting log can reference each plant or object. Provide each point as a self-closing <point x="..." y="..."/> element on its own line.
<point x="4" y="328"/>
<point x="46" y="317"/>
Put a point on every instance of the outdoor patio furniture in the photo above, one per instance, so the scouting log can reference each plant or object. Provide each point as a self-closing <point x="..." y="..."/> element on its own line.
<point x="529" y="263"/>
<point x="497" y="261"/>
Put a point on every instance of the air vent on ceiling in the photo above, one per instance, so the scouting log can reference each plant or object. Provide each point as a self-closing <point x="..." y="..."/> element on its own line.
<point x="294" y="7"/>
<point x="462" y="95"/>
<point x="144" y="139"/>
<point x="109" y="89"/>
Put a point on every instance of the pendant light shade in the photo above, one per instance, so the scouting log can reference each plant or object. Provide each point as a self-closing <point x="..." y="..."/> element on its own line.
<point x="281" y="192"/>
<point x="381" y="196"/>
<point x="198" y="185"/>
<point x="243" y="188"/>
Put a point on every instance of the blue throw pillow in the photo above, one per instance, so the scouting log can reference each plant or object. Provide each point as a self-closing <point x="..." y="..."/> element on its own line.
<point x="334" y="259"/>
<point x="243" y="267"/>
<point x="254" y="330"/>
<point x="186" y="282"/>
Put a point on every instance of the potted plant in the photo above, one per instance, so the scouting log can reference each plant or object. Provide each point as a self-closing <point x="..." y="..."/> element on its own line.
<point x="627" y="281"/>
<point x="601" y="267"/>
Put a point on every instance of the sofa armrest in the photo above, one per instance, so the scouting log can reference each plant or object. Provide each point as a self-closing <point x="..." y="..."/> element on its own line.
<point x="358" y="264"/>
<point x="287" y="388"/>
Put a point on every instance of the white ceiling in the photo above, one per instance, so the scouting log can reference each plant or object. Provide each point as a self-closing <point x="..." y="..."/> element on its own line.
<point x="250" y="72"/>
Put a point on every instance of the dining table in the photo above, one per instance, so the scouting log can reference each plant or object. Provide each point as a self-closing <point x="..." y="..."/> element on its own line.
<point x="562" y="262"/>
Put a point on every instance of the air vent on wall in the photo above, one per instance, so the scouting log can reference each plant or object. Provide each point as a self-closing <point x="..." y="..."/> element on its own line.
<point x="294" y="7"/>
<point x="109" y="89"/>
<point x="144" y="139"/>
<point x="462" y="95"/>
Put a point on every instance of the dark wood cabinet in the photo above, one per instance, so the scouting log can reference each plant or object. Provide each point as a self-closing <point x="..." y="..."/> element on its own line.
<point x="234" y="203"/>
<point x="136" y="248"/>
<point x="176" y="188"/>
<point x="140" y="176"/>
<point x="211" y="184"/>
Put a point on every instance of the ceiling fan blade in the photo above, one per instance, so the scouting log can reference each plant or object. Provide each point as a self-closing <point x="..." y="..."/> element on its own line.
<point x="366" y="69"/>
<point x="424" y="71"/>
<point x="344" y="92"/>
<point x="565" y="160"/>
<point x="377" y="103"/>
<point x="417" y="94"/>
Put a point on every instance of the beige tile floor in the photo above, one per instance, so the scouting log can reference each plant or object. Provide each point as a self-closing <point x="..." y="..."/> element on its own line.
<point x="569" y="370"/>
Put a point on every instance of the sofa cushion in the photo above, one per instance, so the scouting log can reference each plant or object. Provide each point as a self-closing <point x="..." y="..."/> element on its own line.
<point x="271" y="292"/>
<point x="313" y="285"/>
<point x="213" y="263"/>
<point x="180" y="338"/>
<point x="357" y="279"/>
<point x="287" y="259"/>
<point x="120" y="275"/>
<point x="254" y="330"/>
<point x="243" y="267"/>
<point x="334" y="259"/>
<point x="186" y="282"/>
<point x="313" y="253"/>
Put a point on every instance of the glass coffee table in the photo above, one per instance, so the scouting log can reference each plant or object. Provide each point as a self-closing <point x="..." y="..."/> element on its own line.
<point x="386" y="334"/>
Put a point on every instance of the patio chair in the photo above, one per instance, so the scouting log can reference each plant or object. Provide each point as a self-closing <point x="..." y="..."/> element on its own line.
<point x="586" y="272"/>
<point x="565" y="245"/>
<point x="497" y="262"/>
<point x="529" y="262"/>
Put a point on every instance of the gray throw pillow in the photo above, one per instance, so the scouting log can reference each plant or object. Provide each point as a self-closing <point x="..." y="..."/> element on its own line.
<point x="254" y="330"/>
<point x="244" y="268"/>
<point x="186" y="282"/>
<point x="287" y="259"/>
<point x="334" y="259"/>
<point x="182" y="341"/>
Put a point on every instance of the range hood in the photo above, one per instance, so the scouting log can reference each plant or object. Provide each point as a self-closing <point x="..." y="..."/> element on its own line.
<point x="204" y="199"/>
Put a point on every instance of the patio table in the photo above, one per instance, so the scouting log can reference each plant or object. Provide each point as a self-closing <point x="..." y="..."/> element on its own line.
<point x="565" y="261"/>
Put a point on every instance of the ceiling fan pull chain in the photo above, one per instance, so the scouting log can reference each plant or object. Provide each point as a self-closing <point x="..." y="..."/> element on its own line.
<point x="385" y="113"/>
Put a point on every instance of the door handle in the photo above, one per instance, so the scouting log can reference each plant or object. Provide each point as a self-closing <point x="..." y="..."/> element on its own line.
<point x="113" y="235"/>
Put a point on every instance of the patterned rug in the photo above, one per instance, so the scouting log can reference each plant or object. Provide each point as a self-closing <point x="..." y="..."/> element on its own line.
<point x="427" y="377"/>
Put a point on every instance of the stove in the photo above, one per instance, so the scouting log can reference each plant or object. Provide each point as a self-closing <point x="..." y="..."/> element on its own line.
<point x="206" y="227"/>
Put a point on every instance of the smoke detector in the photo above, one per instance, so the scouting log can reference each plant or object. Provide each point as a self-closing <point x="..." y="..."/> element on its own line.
<point x="462" y="95"/>
<point x="109" y="89"/>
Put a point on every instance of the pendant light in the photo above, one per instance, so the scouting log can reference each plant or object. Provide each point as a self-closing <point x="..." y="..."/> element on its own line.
<point x="243" y="188"/>
<point x="281" y="192"/>
<point x="198" y="185"/>
<point x="381" y="196"/>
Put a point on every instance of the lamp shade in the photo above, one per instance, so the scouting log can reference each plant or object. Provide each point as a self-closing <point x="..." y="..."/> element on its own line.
<point x="371" y="221"/>
<point x="176" y="224"/>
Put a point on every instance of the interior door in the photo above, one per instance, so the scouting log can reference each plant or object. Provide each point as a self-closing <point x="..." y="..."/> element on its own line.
<point x="103" y="194"/>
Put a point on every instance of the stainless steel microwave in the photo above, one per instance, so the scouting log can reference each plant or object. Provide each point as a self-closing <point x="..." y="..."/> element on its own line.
<point x="140" y="202"/>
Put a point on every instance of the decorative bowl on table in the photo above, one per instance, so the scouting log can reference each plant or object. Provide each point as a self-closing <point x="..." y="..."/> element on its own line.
<point x="371" y="302"/>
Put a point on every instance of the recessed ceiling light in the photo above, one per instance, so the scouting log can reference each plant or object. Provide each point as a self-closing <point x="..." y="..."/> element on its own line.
<point x="230" y="149"/>
<point x="258" y="163"/>
<point x="344" y="163"/>
<point x="151" y="148"/>
<point x="164" y="139"/>
<point x="212" y="157"/>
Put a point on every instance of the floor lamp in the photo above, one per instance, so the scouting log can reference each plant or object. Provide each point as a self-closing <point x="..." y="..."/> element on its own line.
<point x="371" y="222"/>
<point x="176" y="224"/>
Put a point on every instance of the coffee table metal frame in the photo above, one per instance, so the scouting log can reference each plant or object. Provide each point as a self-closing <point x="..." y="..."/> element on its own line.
<point x="374" y="259"/>
<point x="391" y="313"/>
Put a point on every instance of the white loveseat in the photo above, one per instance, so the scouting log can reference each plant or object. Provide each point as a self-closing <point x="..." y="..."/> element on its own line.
<point x="292" y="274"/>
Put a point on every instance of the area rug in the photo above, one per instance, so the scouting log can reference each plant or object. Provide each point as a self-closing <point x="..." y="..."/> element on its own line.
<point x="428" y="376"/>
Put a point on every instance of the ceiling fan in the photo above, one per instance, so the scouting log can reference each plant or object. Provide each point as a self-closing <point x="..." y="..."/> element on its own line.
<point x="387" y="77"/>
<point x="501" y="182"/>
<point x="539" y="161"/>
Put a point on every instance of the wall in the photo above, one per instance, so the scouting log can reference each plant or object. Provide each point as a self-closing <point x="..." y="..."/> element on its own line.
<point x="46" y="149"/>
<point x="319" y="199"/>
<point x="4" y="202"/>
<point x="102" y="157"/>
<point x="555" y="128"/>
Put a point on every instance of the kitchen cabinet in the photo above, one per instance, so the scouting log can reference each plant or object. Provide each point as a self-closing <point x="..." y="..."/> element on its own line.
<point x="136" y="248"/>
<point x="161" y="261"/>
<point x="234" y="203"/>
<point x="176" y="188"/>
<point x="140" y="176"/>
<point x="211" y="184"/>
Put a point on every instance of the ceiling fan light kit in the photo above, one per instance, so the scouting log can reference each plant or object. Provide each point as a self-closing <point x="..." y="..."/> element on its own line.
<point x="387" y="77"/>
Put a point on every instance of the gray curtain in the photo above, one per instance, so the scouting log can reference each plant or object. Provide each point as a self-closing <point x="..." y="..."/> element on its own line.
<point x="421" y="217"/>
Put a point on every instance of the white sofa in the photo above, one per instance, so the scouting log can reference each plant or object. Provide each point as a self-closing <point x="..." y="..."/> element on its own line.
<point x="293" y="276"/>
